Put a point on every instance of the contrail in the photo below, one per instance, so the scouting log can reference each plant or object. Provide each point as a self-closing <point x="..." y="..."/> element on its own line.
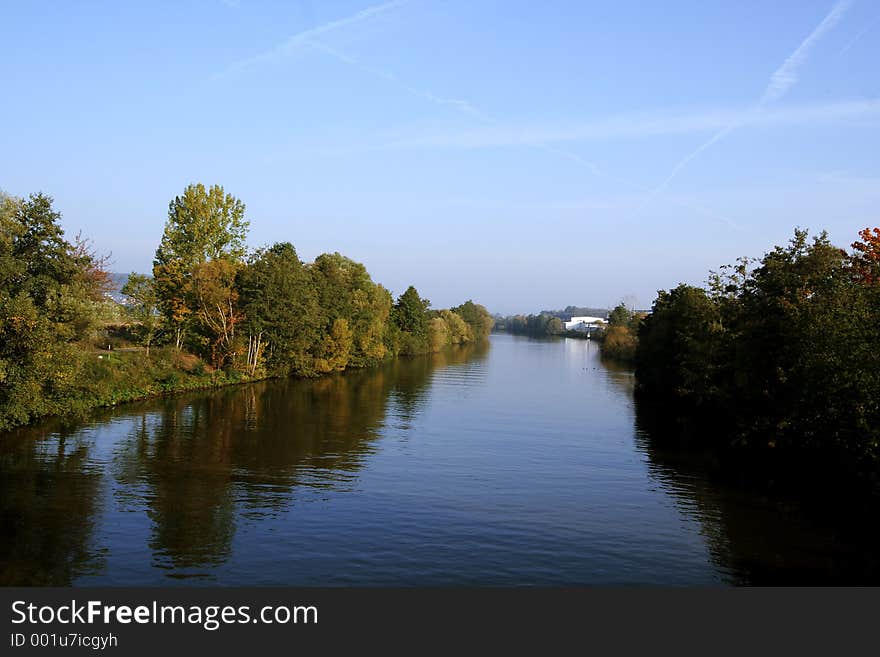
<point x="302" y="38"/>
<point x="858" y="36"/>
<point x="462" y="106"/>
<point x="783" y="79"/>
<point x="307" y="38"/>
<point x="467" y="108"/>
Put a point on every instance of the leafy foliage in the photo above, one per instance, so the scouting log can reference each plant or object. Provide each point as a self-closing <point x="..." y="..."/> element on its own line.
<point x="226" y="318"/>
<point x="785" y="354"/>
<point x="143" y="307"/>
<point x="203" y="225"/>
<point x="50" y="299"/>
<point x="867" y="256"/>
<point x="477" y="317"/>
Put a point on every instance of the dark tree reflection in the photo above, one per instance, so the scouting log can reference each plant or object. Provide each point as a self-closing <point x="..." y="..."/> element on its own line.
<point x="206" y="462"/>
<point x="198" y="466"/>
<point x="50" y="492"/>
<point x="756" y="533"/>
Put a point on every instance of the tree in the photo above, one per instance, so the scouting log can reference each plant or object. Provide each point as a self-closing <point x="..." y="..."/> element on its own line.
<point x="335" y="348"/>
<point x="202" y="225"/>
<point x="281" y="311"/>
<point x="143" y="306"/>
<point x="866" y="259"/>
<point x="214" y="300"/>
<point x="675" y="344"/>
<point x="44" y="260"/>
<point x="411" y="312"/>
<point x="49" y="289"/>
<point x="10" y="231"/>
<point x="439" y="332"/>
<point x="782" y="356"/>
<point x="458" y="330"/>
<point x="479" y="319"/>
<point x="620" y="316"/>
<point x="346" y="291"/>
<point x="410" y="315"/>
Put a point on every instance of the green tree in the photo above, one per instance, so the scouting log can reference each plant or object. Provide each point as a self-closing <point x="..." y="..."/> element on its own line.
<point x="143" y="307"/>
<point x="676" y="344"/>
<point x="477" y="317"/>
<point x="410" y="315"/>
<point x="411" y="312"/>
<point x="49" y="291"/>
<point x="458" y="330"/>
<point x="203" y="225"/>
<point x="335" y="348"/>
<point x="43" y="260"/>
<point x="346" y="291"/>
<point x="282" y="316"/>
<point x="620" y="316"/>
<point x="783" y="357"/>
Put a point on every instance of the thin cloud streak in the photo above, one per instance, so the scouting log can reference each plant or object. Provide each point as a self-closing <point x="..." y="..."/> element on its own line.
<point x="307" y="38"/>
<point x="858" y="36"/>
<point x="639" y="126"/>
<point x="782" y="80"/>
<point x="786" y="76"/>
<point x="304" y="37"/>
<point x="462" y="106"/>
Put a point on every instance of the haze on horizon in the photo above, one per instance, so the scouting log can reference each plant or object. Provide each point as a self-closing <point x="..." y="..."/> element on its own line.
<point x="523" y="155"/>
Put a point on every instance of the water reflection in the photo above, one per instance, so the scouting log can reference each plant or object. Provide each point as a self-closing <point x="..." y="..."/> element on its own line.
<point x="196" y="466"/>
<point x="49" y="497"/>
<point x="530" y="463"/>
<point x="756" y="536"/>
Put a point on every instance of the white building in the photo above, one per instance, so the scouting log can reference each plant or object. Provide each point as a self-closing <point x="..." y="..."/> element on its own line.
<point x="585" y="324"/>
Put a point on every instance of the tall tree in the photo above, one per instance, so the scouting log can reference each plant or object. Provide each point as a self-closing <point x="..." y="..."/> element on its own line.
<point x="203" y="225"/>
<point x="411" y="317"/>
<point x="282" y="316"/>
<point x="44" y="259"/>
<point x="411" y="312"/>
<point x="48" y="294"/>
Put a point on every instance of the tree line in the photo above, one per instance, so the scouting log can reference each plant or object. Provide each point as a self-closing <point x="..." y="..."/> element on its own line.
<point x="240" y="314"/>
<point x="545" y="323"/>
<point x="540" y="325"/>
<point x="779" y="356"/>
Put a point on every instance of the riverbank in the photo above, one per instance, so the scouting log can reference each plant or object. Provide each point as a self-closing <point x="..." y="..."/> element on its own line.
<point x="213" y="313"/>
<point x="115" y="377"/>
<point x="522" y="463"/>
<point x="110" y="378"/>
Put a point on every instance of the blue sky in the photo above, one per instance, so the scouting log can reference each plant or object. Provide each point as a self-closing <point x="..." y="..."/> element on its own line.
<point x="528" y="155"/>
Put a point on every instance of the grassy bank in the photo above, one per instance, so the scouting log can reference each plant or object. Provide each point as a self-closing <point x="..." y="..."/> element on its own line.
<point x="108" y="378"/>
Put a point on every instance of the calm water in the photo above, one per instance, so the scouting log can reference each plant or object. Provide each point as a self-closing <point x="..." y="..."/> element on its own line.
<point x="515" y="463"/>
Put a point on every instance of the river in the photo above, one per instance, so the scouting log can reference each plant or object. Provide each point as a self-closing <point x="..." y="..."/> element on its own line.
<point x="517" y="462"/>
